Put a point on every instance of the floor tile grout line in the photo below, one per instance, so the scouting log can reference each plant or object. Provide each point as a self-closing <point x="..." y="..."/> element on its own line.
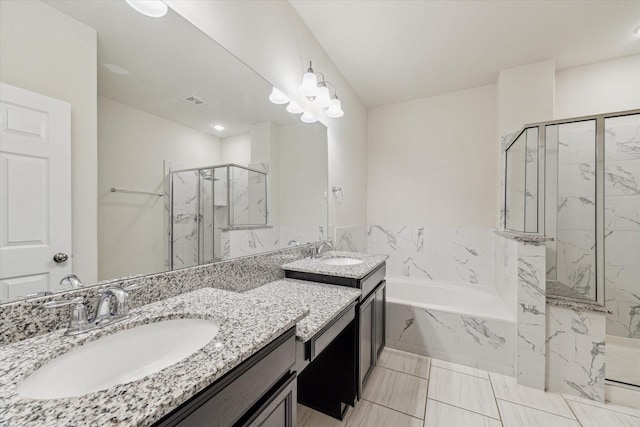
<point x="538" y="409"/>
<point x="465" y="409"/>
<point x="495" y="399"/>
<point x="571" y="409"/>
<point x="589" y="403"/>
<point x="426" y="400"/>
<point x="392" y="409"/>
<point x="458" y="372"/>
<point x="402" y="372"/>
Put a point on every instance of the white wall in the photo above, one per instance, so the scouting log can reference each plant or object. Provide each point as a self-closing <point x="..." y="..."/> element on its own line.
<point x="271" y="38"/>
<point x="432" y="161"/>
<point x="132" y="148"/>
<point x="302" y="174"/>
<point x="237" y="149"/>
<point x="47" y="52"/>
<point x="602" y="87"/>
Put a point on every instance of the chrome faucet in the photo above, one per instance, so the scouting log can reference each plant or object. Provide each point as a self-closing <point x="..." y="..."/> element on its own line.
<point x="112" y="307"/>
<point x="78" y="322"/>
<point x="294" y="242"/>
<point x="71" y="281"/>
<point x="317" y="249"/>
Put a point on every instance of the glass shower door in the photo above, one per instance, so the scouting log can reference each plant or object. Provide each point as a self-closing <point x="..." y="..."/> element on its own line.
<point x="622" y="247"/>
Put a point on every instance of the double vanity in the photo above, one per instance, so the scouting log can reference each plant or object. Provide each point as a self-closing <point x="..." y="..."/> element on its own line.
<point x="214" y="355"/>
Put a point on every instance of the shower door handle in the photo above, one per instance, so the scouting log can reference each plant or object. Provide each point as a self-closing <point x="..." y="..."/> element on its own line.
<point x="60" y="257"/>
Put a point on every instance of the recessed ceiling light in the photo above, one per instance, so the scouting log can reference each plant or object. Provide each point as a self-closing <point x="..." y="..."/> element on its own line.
<point x="116" y="69"/>
<point x="218" y="127"/>
<point x="152" y="8"/>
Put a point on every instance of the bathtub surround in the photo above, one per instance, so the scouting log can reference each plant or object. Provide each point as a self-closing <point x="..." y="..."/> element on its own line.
<point x="456" y="255"/>
<point x="520" y="281"/>
<point x="28" y="318"/>
<point x="351" y="238"/>
<point x="576" y="352"/>
<point x="466" y="324"/>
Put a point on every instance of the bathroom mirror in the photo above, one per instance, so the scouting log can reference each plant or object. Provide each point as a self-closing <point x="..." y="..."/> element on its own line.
<point x="162" y="86"/>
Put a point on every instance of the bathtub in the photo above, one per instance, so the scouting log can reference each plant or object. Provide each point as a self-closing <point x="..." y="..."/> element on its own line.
<point x="466" y="324"/>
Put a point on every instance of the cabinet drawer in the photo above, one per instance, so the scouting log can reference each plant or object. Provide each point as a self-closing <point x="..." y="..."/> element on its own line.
<point x="226" y="400"/>
<point x="370" y="282"/>
<point x="323" y="338"/>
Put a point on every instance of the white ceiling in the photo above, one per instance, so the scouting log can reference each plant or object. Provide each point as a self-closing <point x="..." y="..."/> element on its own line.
<point x="392" y="51"/>
<point x="169" y="59"/>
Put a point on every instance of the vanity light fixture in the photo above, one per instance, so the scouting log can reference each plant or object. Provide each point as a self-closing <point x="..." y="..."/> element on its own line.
<point x="218" y="127"/>
<point x="294" y="108"/>
<point x="308" y="118"/>
<point x="277" y="97"/>
<point x="318" y="92"/>
<point x="152" y="8"/>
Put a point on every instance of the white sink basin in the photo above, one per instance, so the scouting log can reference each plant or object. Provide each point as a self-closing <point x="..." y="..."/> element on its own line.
<point x="119" y="358"/>
<point x="341" y="261"/>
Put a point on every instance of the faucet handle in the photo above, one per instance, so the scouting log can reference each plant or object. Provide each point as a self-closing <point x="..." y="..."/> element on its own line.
<point x="78" y="322"/>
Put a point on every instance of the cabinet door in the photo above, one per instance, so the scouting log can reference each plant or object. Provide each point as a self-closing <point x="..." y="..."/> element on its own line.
<point x="380" y="319"/>
<point x="280" y="410"/>
<point x="367" y="358"/>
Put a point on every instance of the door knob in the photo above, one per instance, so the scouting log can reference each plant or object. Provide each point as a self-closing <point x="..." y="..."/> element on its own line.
<point x="60" y="257"/>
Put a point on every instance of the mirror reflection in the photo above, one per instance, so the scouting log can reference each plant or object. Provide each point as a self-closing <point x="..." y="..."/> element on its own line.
<point x="194" y="164"/>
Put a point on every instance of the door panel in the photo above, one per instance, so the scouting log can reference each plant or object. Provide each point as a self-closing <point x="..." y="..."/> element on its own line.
<point x="35" y="191"/>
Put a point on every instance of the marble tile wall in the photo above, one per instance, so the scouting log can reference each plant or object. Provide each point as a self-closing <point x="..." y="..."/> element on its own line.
<point x="24" y="319"/>
<point x="622" y="225"/>
<point x="575" y="342"/>
<point x="236" y="243"/>
<point x="353" y="239"/>
<point x="458" y="255"/>
<point x="505" y="271"/>
<point x="185" y="219"/>
<point x="531" y="309"/>
<point x="473" y="341"/>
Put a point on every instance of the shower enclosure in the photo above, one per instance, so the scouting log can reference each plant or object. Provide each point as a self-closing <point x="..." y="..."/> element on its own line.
<point x="578" y="182"/>
<point x="205" y="202"/>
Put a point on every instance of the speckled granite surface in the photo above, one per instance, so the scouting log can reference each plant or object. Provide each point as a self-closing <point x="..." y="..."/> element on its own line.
<point x="28" y="318"/>
<point x="324" y="301"/>
<point x="523" y="237"/>
<point x="576" y="305"/>
<point x="358" y="271"/>
<point x="247" y="324"/>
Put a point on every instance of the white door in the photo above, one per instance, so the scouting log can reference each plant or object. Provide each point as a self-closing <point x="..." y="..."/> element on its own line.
<point x="35" y="191"/>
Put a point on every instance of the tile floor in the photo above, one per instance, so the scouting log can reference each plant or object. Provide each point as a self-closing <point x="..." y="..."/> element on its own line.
<point x="407" y="390"/>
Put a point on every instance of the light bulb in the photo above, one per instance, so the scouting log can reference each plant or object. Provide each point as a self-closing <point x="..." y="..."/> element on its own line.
<point x="309" y="86"/>
<point x="322" y="99"/>
<point x="152" y="8"/>
<point x="294" y="108"/>
<point x="335" y="109"/>
<point x="277" y="97"/>
<point x="308" y="118"/>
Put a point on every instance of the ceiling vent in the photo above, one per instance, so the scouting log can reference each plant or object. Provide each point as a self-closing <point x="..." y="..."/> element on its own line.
<point x="194" y="100"/>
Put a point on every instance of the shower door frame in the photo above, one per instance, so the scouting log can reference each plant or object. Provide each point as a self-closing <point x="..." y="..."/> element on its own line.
<point x="599" y="184"/>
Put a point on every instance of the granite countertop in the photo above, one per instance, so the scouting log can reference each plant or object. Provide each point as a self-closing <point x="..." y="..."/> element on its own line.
<point x="324" y="301"/>
<point x="247" y="325"/>
<point x="357" y="271"/>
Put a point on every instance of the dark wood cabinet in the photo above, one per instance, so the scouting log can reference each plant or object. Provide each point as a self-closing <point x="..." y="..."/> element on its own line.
<point x="370" y="317"/>
<point x="372" y="320"/>
<point x="367" y="357"/>
<point x="380" y="319"/>
<point x="261" y="391"/>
